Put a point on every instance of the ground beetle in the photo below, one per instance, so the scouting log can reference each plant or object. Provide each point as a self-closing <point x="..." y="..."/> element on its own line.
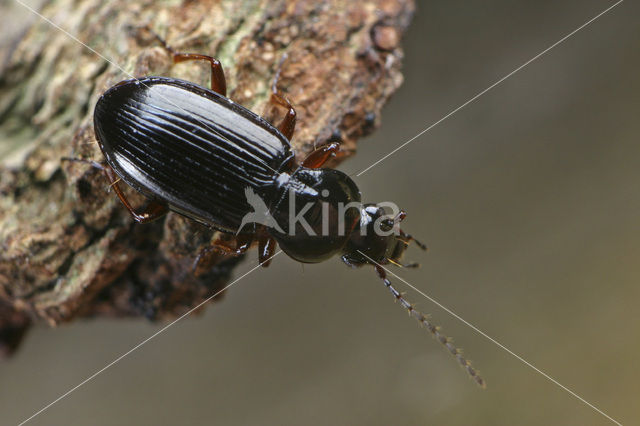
<point x="192" y="150"/>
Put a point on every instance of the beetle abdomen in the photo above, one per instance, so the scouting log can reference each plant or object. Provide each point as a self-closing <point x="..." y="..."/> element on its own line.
<point x="188" y="146"/>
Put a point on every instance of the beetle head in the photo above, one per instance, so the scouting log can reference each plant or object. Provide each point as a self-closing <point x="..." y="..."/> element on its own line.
<point x="378" y="239"/>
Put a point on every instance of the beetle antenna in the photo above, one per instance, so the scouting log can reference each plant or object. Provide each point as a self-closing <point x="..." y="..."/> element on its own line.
<point x="433" y="329"/>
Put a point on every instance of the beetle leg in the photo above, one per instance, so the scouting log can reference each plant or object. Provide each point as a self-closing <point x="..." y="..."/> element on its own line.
<point x="218" y="81"/>
<point x="205" y="258"/>
<point x="288" y="124"/>
<point x="153" y="210"/>
<point x="266" y="247"/>
<point x="320" y="156"/>
<point x="92" y="163"/>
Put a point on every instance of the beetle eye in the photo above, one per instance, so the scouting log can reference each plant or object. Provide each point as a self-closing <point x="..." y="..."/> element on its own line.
<point x="388" y="223"/>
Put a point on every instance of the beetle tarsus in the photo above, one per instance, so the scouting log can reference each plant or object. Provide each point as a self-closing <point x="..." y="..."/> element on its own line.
<point x="288" y="124"/>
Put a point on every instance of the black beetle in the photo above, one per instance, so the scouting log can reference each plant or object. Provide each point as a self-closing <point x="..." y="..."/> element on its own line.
<point x="194" y="151"/>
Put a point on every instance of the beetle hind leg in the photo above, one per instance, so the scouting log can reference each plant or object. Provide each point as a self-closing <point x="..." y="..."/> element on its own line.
<point x="92" y="163"/>
<point x="218" y="80"/>
<point x="153" y="210"/>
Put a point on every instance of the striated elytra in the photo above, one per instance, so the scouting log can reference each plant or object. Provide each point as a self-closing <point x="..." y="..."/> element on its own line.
<point x="190" y="147"/>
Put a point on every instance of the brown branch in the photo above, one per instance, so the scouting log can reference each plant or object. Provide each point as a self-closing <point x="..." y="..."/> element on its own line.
<point x="68" y="247"/>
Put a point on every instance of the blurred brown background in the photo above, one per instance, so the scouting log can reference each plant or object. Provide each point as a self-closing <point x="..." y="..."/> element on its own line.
<point x="529" y="199"/>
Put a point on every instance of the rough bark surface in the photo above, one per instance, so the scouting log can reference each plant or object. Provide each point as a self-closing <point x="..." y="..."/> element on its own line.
<point x="67" y="246"/>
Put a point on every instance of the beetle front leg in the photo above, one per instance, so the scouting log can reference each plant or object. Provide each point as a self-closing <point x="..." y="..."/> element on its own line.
<point x="320" y="156"/>
<point x="153" y="210"/>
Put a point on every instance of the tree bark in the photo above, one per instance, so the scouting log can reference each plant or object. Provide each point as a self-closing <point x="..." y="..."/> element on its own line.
<point x="68" y="247"/>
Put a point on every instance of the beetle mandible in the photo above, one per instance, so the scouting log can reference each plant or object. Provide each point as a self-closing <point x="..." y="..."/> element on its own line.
<point x="194" y="151"/>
